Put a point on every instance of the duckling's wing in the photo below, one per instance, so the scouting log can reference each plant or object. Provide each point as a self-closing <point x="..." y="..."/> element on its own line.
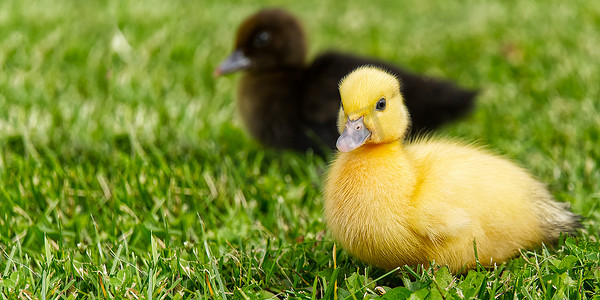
<point x="439" y="222"/>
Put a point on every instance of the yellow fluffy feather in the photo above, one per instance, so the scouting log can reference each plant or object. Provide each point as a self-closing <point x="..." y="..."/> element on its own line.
<point x="392" y="204"/>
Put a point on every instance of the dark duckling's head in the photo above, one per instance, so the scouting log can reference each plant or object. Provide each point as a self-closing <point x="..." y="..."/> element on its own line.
<point x="270" y="39"/>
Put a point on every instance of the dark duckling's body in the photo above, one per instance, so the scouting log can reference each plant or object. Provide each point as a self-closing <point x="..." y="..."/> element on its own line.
<point x="286" y="103"/>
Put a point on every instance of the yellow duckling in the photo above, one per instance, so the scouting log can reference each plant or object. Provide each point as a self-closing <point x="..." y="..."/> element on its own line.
<point x="392" y="204"/>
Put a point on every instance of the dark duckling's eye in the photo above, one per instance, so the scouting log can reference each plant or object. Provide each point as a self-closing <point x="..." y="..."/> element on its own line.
<point x="261" y="39"/>
<point x="380" y="106"/>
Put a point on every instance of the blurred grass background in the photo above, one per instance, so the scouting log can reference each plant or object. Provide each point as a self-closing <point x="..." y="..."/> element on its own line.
<point x="125" y="170"/>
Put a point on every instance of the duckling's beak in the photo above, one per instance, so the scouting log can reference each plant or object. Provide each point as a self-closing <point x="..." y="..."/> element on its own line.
<point x="235" y="62"/>
<point x="354" y="135"/>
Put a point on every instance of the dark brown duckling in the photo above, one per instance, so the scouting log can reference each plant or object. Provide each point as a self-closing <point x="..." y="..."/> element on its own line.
<point x="286" y="103"/>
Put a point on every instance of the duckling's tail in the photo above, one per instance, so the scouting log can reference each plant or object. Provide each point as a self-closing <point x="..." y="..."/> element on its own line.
<point x="555" y="217"/>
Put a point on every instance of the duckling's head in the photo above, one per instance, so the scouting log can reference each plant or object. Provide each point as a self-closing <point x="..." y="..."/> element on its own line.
<point x="269" y="39"/>
<point x="372" y="111"/>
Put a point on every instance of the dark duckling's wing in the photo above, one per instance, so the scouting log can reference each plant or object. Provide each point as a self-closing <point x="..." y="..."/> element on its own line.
<point x="431" y="101"/>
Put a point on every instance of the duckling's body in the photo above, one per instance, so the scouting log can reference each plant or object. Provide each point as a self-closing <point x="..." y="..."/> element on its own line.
<point x="286" y="102"/>
<point x="392" y="204"/>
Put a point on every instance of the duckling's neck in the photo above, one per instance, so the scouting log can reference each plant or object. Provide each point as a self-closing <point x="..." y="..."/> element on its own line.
<point x="384" y="167"/>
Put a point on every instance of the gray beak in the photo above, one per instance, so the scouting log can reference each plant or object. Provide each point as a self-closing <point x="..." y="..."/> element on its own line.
<point x="354" y="135"/>
<point x="235" y="62"/>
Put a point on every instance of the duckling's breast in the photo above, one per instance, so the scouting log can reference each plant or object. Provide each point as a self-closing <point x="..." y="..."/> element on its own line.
<point x="269" y="105"/>
<point x="368" y="197"/>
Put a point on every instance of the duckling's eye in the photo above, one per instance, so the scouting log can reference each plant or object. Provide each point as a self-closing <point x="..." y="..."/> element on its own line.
<point x="261" y="39"/>
<point x="380" y="106"/>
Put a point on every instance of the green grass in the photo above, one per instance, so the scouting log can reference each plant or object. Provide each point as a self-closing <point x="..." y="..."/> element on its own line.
<point x="125" y="171"/>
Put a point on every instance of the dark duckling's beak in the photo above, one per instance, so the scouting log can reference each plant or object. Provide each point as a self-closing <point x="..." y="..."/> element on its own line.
<point x="354" y="135"/>
<point x="235" y="62"/>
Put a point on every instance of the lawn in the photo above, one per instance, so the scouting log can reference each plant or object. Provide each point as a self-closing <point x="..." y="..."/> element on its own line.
<point x="125" y="171"/>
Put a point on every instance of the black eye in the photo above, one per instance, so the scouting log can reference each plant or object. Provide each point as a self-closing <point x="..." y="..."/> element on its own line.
<point x="261" y="39"/>
<point x="380" y="106"/>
